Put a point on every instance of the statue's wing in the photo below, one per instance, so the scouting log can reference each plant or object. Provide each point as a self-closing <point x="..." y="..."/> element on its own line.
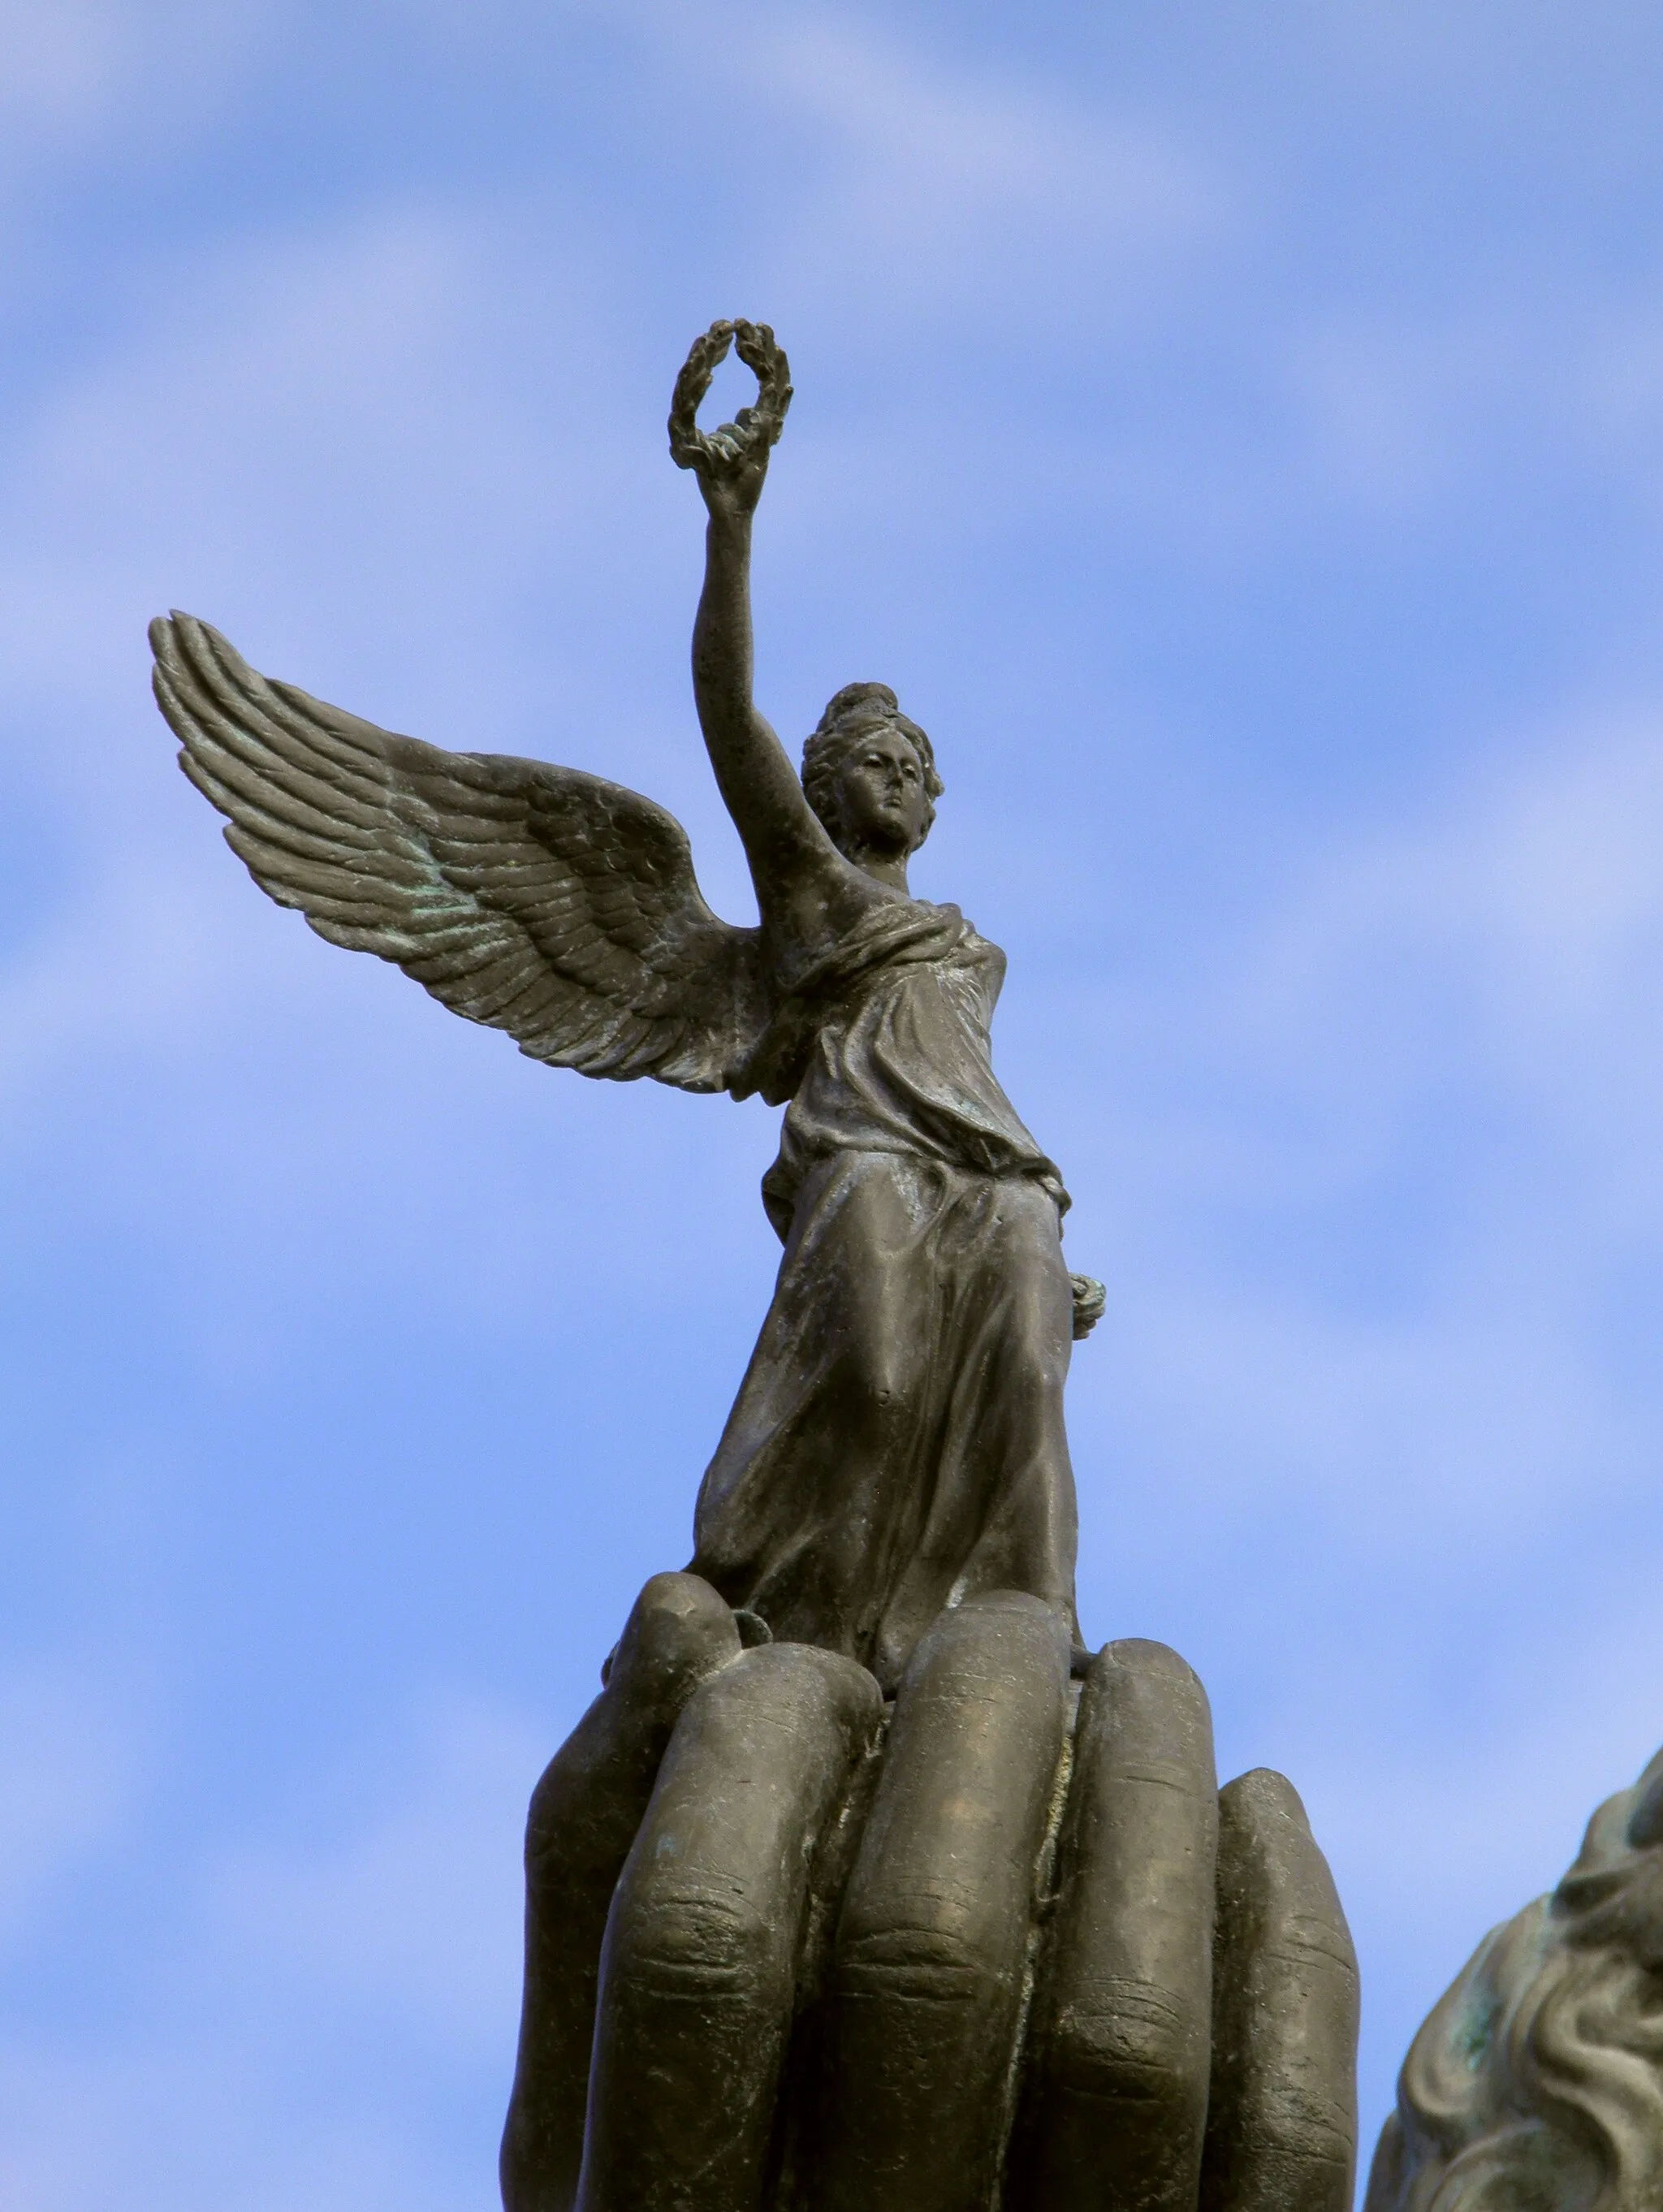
<point x="542" y="901"/>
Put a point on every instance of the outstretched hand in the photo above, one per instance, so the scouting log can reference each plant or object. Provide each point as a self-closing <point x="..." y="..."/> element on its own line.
<point x="731" y="463"/>
<point x="786" y="1948"/>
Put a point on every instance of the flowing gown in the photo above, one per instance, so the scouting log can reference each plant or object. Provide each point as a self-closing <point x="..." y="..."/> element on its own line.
<point x="897" y="1443"/>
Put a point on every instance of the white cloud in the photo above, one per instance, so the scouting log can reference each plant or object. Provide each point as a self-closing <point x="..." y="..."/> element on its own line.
<point x="1514" y="946"/>
<point x="415" y="1914"/>
<point x="397" y="1936"/>
<point x="1396" y="412"/>
<point x="308" y="426"/>
<point x="918" y="185"/>
<point x="1434" y="1838"/>
<point x="79" y="73"/>
<point x="75" y="1748"/>
<point x="1479" y="1827"/>
<point x="1392" y="411"/>
<point x="941" y="152"/>
<point x="159" y="2124"/>
<point x="305" y="409"/>
<point x="128" y="968"/>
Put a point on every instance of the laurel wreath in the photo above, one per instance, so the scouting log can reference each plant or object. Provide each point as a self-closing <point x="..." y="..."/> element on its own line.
<point x="754" y="429"/>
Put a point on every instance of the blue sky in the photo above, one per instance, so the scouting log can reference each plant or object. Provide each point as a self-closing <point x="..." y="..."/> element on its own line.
<point x="1238" y="434"/>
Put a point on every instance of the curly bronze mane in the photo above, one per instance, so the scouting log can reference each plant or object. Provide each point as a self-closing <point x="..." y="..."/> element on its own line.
<point x="1536" y="2083"/>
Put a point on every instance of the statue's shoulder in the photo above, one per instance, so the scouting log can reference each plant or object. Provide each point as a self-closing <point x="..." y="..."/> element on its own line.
<point x="972" y="950"/>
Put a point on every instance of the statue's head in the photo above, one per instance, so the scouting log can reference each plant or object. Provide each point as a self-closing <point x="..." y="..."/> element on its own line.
<point x="870" y="774"/>
<point x="1537" y="2079"/>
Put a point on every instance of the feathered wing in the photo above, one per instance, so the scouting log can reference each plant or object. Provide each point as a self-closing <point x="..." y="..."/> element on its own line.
<point x="536" y="899"/>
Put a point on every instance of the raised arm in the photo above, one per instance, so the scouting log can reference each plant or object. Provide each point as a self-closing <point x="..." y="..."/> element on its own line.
<point x="758" y="784"/>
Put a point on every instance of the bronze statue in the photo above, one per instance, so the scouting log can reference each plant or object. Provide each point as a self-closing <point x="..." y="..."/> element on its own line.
<point x="897" y="1445"/>
<point x="843" y="1895"/>
<point x="1535" y="2083"/>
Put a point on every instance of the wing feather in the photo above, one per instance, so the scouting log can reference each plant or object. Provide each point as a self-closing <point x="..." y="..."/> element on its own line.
<point x="338" y="779"/>
<point x="536" y="899"/>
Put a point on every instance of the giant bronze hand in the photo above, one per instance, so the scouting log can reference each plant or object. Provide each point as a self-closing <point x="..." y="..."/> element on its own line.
<point x="784" y="1947"/>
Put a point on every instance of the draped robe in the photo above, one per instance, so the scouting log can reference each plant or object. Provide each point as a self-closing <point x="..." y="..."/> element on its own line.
<point x="897" y="1445"/>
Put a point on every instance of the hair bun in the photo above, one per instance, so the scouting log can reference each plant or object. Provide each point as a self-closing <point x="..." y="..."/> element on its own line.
<point x="841" y="705"/>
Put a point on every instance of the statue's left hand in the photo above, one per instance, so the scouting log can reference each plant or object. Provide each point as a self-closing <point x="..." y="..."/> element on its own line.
<point x="731" y="463"/>
<point x="964" y="1963"/>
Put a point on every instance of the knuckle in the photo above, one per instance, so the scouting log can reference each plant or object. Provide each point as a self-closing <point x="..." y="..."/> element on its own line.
<point x="694" y="1942"/>
<point x="911" y="1961"/>
<point x="1130" y="2042"/>
<point x="1303" y="2126"/>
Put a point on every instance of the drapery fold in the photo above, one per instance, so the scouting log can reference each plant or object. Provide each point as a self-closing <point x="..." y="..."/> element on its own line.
<point x="897" y="1443"/>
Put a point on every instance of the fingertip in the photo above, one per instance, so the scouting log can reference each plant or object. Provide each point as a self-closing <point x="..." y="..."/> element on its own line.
<point x="678" y="1630"/>
<point x="1141" y="1656"/>
<point x="1261" y="1796"/>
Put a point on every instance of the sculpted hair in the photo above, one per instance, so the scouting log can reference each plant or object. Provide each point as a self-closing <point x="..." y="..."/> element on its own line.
<point x="851" y="714"/>
<point x="1537" y="2079"/>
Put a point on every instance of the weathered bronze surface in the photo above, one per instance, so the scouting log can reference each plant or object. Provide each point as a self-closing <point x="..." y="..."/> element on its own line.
<point x="1002" y="1939"/>
<point x="897" y="1443"/>
<point x="1536" y="2084"/>
<point x="844" y="1894"/>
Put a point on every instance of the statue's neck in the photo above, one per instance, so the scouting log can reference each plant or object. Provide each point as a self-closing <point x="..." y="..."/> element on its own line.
<point x="890" y="868"/>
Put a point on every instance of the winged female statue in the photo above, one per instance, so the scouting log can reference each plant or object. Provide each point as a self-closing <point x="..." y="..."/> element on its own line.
<point x="897" y="1445"/>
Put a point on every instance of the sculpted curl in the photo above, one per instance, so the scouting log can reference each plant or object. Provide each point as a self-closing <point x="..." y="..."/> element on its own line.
<point x="1538" y="2078"/>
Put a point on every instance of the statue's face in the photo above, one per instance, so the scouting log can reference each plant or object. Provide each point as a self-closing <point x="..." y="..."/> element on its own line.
<point x="881" y="800"/>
